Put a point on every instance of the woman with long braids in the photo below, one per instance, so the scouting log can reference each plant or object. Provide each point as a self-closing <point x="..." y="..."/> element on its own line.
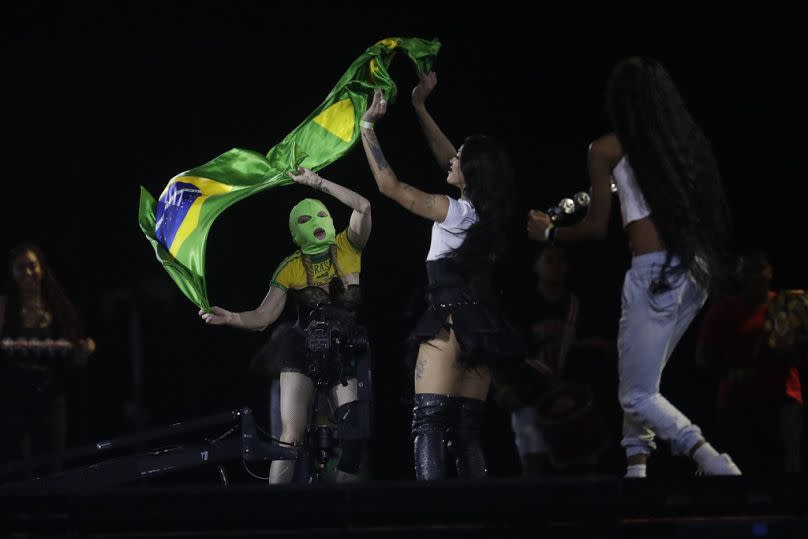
<point x="323" y="278"/>
<point x="460" y="336"/>
<point x="677" y="221"/>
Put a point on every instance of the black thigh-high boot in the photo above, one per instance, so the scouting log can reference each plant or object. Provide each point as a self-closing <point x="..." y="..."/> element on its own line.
<point x="431" y="418"/>
<point x="464" y="440"/>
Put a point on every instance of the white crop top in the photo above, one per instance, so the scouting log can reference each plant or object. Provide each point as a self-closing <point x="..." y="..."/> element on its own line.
<point x="632" y="202"/>
<point x="448" y="235"/>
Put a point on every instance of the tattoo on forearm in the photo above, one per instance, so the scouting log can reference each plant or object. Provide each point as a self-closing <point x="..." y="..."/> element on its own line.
<point x="420" y="365"/>
<point x="375" y="149"/>
<point x="319" y="185"/>
<point x="408" y="187"/>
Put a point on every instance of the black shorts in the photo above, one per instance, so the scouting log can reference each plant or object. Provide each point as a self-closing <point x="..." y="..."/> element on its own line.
<point x="288" y="353"/>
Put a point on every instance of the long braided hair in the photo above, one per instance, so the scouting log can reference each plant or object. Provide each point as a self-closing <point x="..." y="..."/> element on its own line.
<point x="675" y="169"/>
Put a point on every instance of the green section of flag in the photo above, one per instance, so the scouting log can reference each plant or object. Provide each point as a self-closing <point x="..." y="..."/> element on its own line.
<point x="177" y="223"/>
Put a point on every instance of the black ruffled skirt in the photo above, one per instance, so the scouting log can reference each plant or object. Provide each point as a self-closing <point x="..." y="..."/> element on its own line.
<point x="484" y="334"/>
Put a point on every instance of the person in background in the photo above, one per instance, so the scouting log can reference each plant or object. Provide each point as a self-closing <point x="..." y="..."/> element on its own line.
<point x="41" y="337"/>
<point x="759" y="400"/>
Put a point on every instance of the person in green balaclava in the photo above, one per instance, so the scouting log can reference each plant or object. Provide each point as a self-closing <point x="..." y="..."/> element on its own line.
<point x="311" y="226"/>
<point x="323" y="277"/>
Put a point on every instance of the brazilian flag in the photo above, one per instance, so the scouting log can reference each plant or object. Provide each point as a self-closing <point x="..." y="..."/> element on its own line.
<point x="177" y="223"/>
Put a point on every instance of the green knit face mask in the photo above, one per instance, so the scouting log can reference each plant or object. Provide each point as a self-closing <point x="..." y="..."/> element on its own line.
<point x="311" y="226"/>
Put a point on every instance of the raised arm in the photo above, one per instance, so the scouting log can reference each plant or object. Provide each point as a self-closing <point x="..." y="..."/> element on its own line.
<point x="427" y="205"/>
<point x="604" y="154"/>
<point x="256" y="320"/>
<point x="360" y="223"/>
<point x="439" y="143"/>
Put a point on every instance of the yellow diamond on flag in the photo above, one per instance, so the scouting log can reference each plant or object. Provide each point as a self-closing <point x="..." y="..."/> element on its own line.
<point x="390" y="42"/>
<point x="338" y="119"/>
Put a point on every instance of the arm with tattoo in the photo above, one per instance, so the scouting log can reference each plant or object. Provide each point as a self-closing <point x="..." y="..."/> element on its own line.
<point x="427" y="205"/>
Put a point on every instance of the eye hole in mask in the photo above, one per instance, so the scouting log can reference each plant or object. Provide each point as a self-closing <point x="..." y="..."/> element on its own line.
<point x="322" y="214"/>
<point x="305" y="218"/>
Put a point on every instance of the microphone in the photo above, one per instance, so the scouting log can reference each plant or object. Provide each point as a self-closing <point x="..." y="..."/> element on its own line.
<point x="570" y="206"/>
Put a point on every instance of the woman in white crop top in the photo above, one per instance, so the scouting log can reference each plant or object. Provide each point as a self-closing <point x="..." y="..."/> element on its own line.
<point x="677" y="221"/>
<point x="461" y="335"/>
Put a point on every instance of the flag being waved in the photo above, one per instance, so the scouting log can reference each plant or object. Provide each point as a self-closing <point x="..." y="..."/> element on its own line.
<point x="177" y="223"/>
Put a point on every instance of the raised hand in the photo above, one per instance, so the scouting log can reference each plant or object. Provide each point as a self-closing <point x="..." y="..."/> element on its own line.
<point x="308" y="177"/>
<point x="424" y="88"/>
<point x="377" y="108"/>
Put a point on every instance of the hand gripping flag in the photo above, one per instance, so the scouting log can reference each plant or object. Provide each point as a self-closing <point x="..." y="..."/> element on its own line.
<point x="177" y="223"/>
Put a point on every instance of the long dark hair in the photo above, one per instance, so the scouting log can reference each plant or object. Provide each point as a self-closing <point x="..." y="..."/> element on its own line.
<point x="675" y="169"/>
<point x="65" y="316"/>
<point x="488" y="174"/>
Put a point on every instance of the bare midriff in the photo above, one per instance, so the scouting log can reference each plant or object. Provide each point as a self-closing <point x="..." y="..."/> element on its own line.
<point x="644" y="237"/>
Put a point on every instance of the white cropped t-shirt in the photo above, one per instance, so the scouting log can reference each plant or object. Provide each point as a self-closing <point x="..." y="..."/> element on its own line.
<point x="632" y="202"/>
<point x="449" y="235"/>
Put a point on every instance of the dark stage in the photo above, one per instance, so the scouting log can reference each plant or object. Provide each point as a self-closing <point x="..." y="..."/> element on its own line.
<point x="181" y="481"/>
<point x="599" y="506"/>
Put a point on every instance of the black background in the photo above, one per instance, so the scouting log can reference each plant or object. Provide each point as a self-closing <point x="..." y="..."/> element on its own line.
<point x="99" y="99"/>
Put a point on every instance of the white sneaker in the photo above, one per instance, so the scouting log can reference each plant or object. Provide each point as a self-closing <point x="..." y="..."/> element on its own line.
<point x="636" y="471"/>
<point x="720" y="465"/>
